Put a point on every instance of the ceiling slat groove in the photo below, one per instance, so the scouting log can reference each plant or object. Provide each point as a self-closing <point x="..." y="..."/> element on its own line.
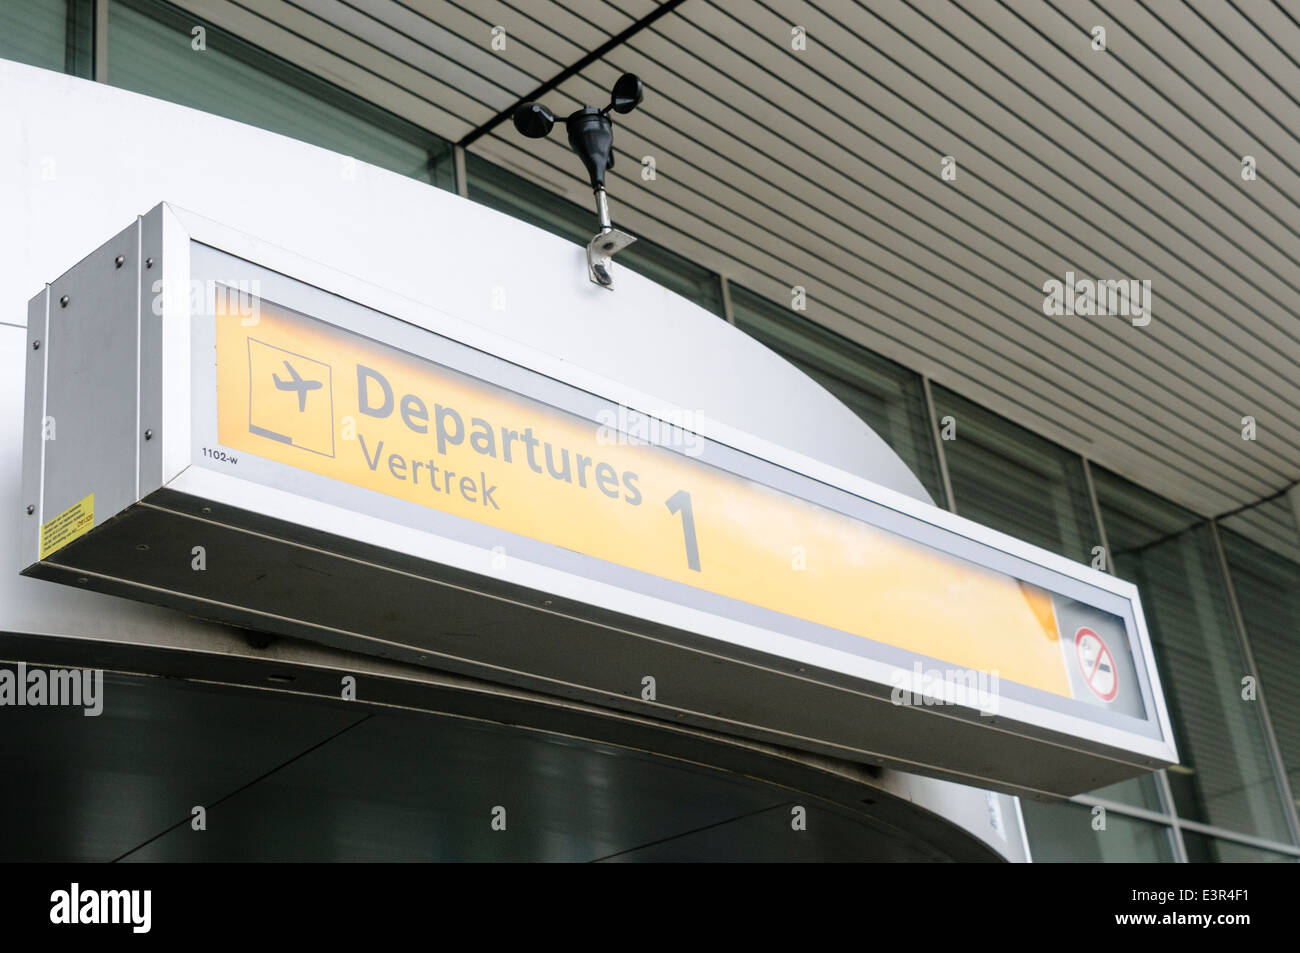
<point x="821" y="168"/>
<point x="1013" y="367"/>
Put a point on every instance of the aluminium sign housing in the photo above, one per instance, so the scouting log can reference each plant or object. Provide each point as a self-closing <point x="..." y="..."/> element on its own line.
<point x="261" y="440"/>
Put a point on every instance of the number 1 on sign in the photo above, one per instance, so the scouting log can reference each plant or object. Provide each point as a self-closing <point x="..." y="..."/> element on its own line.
<point x="680" y="502"/>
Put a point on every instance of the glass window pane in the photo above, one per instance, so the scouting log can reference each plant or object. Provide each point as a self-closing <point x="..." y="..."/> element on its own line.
<point x="149" y="52"/>
<point x="1226" y="777"/>
<point x="52" y="34"/>
<point x="1015" y="481"/>
<point x="1062" y="832"/>
<point x="1141" y="791"/>
<point x="493" y="186"/>
<point x="1268" y="592"/>
<point x="887" y="396"/>
<point x="1202" y="849"/>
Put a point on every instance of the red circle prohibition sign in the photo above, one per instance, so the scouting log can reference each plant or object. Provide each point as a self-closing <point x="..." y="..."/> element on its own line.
<point x="1097" y="664"/>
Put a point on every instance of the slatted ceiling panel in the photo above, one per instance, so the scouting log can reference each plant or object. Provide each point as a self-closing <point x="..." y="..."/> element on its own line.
<point x="1263" y="111"/>
<point x="1121" y="100"/>
<point x="1234" y="408"/>
<point x="1065" y="172"/>
<point x="1101" y="207"/>
<point x="1274" y="22"/>
<point x="1039" y="296"/>
<point x="562" y="32"/>
<point x="821" y="168"/>
<point x="1164" y="286"/>
<point x="1246" y="239"/>
<point x="1273" y="67"/>
<point x="522" y="41"/>
<point x="1271" y="525"/>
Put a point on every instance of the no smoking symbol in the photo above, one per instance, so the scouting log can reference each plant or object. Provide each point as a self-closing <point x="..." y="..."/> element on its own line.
<point x="1097" y="664"/>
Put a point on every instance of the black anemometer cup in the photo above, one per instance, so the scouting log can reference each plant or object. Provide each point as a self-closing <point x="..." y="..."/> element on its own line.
<point x="534" y="120"/>
<point x="591" y="136"/>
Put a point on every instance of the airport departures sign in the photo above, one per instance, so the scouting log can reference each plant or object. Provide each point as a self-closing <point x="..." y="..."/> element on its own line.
<point x="313" y="396"/>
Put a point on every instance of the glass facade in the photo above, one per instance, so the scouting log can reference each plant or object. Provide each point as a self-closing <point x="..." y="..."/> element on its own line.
<point x="52" y="34"/>
<point x="887" y="396"/>
<point x="1015" y="481"/>
<point x="152" y="50"/>
<point x="1072" y="833"/>
<point x="1221" y="596"/>
<point x="1203" y="849"/>
<point x="1268" y="592"/>
<point x="1227" y="775"/>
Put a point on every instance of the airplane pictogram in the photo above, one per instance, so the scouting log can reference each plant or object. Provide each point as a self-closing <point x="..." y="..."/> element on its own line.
<point x="298" y="384"/>
<point x="273" y="374"/>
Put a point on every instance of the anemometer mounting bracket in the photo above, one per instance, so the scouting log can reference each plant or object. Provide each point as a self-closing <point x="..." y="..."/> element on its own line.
<point x="591" y="136"/>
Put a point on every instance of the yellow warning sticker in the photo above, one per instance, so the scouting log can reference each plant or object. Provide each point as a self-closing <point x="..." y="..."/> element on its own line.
<point x="75" y="521"/>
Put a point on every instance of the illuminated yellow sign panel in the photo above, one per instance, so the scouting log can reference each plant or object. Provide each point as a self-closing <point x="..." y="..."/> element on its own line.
<point x="325" y="400"/>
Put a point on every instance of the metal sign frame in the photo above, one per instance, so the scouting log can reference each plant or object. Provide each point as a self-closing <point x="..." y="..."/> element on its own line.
<point x="174" y="470"/>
